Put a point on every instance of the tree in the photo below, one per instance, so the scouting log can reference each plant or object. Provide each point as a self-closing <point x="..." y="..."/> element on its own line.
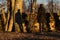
<point x="32" y="13"/>
<point x="9" y="22"/>
<point x="52" y="20"/>
<point x="2" y="18"/>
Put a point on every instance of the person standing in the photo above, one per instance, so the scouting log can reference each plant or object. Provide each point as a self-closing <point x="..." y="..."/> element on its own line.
<point x="41" y="17"/>
<point x="18" y="19"/>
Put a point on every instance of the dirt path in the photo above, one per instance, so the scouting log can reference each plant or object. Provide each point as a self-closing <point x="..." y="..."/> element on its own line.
<point x="29" y="36"/>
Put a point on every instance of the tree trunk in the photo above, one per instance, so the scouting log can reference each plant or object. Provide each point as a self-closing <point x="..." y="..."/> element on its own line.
<point x="31" y="20"/>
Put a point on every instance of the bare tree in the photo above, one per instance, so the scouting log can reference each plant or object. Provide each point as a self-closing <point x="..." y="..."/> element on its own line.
<point x="32" y="12"/>
<point x="52" y="20"/>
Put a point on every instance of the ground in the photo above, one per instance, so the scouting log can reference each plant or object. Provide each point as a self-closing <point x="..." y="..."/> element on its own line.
<point x="30" y="36"/>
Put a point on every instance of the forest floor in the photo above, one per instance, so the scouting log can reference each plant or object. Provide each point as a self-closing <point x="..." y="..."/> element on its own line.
<point x="30" y="36"/>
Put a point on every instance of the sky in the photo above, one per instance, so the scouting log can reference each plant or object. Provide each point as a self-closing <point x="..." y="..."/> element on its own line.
<point x="42" y="1"/>
<point x="38" y="1"/>
<point x="1" y="1"/>
<point x="46" y="1"/>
